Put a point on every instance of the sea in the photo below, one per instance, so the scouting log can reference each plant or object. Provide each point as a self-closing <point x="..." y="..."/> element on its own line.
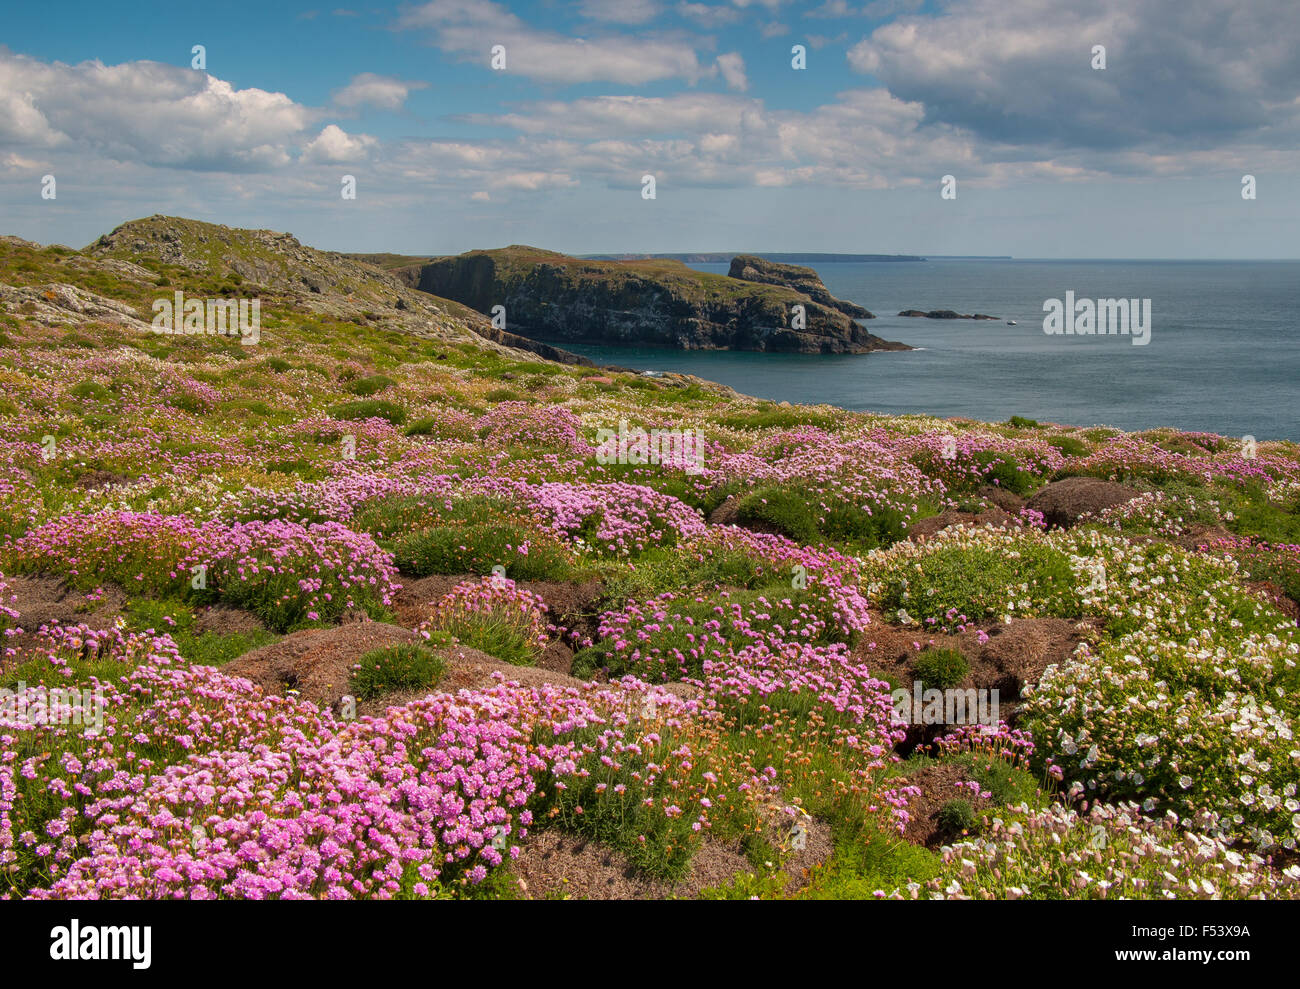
<point x="1223" y="354"/>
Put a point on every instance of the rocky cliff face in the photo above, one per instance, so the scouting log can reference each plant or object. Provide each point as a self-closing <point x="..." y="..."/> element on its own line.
<point x="754" y="269"/>
<point x="654" y="302"/>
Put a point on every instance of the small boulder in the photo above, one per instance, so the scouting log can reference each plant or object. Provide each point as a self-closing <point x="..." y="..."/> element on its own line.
<point x="1064" y="502"/>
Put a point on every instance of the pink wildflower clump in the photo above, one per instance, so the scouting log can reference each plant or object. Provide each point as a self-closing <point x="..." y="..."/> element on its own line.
<point x="284" y="571"/>
<point x="870" y="474"/>
<point x="522" y="423"/>
<point x="289" y="573"/>
<point x="615" y="518"/>
<point x="1125" y="457"/>
<point x="672" y="636"/>
<point x="969" y="459"/>
<point x="484" y="612"/>
<point x="275" y="800"/>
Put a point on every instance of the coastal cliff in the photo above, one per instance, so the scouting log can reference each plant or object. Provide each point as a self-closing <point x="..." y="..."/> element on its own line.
<point x="652" y="302"/>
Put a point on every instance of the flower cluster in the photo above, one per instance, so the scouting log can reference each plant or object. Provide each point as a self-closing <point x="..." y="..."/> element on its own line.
<point x="1104" y="852"/>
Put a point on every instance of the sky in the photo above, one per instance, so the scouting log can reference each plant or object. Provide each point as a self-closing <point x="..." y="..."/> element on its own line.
<point x="1049" y="153"/>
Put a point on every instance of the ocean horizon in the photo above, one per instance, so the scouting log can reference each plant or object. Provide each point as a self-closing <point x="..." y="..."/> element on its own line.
<point x="1220" y="357"/>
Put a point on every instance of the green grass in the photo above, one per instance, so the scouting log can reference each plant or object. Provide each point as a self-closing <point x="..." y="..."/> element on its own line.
<point x="941" y="669"/>
<point x="957" y="818"/>
<point x="370" y="385"/>
<point x="178" y="619"/>
<point x="864" y="864"/>
<point x="789" y="511"/>
<point x="373" y="408"/>
<point x="977" y="582"/>
<point x="1071" y="446"/>
<point x="775" y="417"/>
<point x="406" y="666"/>
<point x="477" y="547"/>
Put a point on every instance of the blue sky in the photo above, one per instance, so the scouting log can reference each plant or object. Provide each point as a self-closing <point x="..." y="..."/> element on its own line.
<point x="1052" y="157"/>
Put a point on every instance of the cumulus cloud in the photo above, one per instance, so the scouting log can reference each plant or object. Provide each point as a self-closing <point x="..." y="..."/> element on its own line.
<point x="862" y="139"/>
<point x="146" y="112"/>
<point x="384" y="92"/>
<point x="732" y="67"/>
<point x="619" y="11"/>
<point x="333" y="144"/>
<point x="605" y="116"/>
<point x="1177" y="76"/>
<point x="831" y="8"/>
<point x="709" y="14"/>
<point x="470" y="29"/>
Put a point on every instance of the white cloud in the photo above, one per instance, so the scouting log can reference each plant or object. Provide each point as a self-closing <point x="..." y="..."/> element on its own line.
<point x="619" y="11"/>
<point x="333" y="144"/>
<point x="470" y="29"/>
<point x="709" y="14"/>
<point x="831" y="8"/>
<point x="1178" y="75"/>
<point x="732" y="67"/>
<point x="385" y="92"/>
<point x="17" y="163"/>
<point x="146" y="112"/>
<point x="602" y="116"/>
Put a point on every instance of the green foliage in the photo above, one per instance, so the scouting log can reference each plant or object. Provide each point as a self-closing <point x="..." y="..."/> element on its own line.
<point x="298" y="468"/>
<point x="980" y="582"/>
<point x="666" y="569"/>
<point x="957" y="817"/>
<point x="1253" y="514"/>
<point x="1071" y="446"/>
<point x="406" y="666"/>
<point x="371" y="385"/>
<point x="1005" y="782"/>
<point x="788" y="510"/>
<point x="775" y="417"/>
<point x="748" y="886"/>
<point x="1020" y="422"/>
<point x="477" y="547"/>
<point x="91" y="390"/>
<point x="941" y="669"/>
<point x="426" y="426"/>
<point x="373" y="408"/>
<point x="179" y="620"/>
<point x="780" y="509"/>
<point x="497" y="633"/>
<point x="867" y="864"/>
<point x="1003" y="469"/>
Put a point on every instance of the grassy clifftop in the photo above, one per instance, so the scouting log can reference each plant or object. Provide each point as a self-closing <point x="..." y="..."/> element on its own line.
<point x="651" y="301"/>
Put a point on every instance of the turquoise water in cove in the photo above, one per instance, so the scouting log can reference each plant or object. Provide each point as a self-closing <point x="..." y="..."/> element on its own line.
<point x="1224" y="354"/>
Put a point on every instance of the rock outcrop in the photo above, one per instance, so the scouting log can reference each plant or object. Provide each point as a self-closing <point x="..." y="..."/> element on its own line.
<point x="944" y="314"/>
<point x="750" y="268"/>
<point x="550" y="296"/>
<point x="1064" y="502"/>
